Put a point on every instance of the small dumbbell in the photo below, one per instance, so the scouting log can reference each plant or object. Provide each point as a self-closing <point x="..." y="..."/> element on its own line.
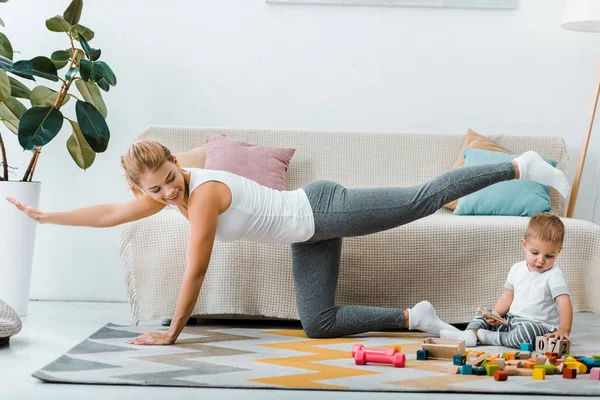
<point x="389" y="350"/>
<point x="398" y="360"/>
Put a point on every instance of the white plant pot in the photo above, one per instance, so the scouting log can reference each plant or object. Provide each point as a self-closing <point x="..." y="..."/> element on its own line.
<point x="17" y="240"/>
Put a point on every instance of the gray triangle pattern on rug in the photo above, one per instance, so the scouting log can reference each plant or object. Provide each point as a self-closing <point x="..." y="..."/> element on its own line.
<point x="87" y="347"/>
<point x="174" y="378"/>
<point x="67" y="363"/>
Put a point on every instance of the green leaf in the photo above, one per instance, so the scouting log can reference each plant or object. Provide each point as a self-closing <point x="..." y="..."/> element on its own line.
<point x="86" y="32"/>
<point x="5" y="63"/>
<point x="2" y="23"/>
<point x="95" y="54"/>
<point x="106" y="73"/>
<point x="73" y="13"/>
<point x="43" y="96"/>
<point x="26" y="76"/>
<point x="94" y="127"/>
<point x="80" y="53"/>
<point x="38" y="126"/>
<point x="4" y="85"/>
<point x="12" y="110"/>
<point x="78" y="147"/>
<point x="86" y="69"/>
<point x="60" y="58"/>
<point x="38" y="66"/>
<point x="85" y="45"/>
<point x="58" y="24"/>
<point x="103" y="85"/>
<point x="6" y="49"/>
<point x="92" y="95"/>
<point x="17" y="89"/>
<point x="71" y="73"/>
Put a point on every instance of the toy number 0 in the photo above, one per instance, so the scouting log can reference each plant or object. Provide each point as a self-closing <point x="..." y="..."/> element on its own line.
<point x="541" y="344"/>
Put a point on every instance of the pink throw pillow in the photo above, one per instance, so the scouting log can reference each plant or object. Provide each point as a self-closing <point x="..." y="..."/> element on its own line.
<point x="263" y="164"/>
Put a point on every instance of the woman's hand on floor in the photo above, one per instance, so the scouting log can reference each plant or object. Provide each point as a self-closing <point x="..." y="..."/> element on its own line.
<point x="151" y="339"/>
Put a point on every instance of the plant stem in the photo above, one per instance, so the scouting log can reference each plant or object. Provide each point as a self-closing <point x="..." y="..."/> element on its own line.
<point x="58" y="104"/>
<point x="4" y="162"/>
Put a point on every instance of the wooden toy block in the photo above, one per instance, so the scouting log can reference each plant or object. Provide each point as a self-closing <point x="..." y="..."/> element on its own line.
<point x="528" y="364"/>
<point x="564" y="347"/>
<point x="541" y="344"/>
<point x="582" y="368"/>
<point x="459" y="360"/>
<point x="550" y="360"/>
<point x="510" y="356"/>
<point x="527" y="347"/>
<point x="491" y="315"/>
<point x="511" y="370"/>
<point x="466" y="369"/>
<point x="479" y="371"/>
<point x="453" y="369"/>
<point x="490" y="369"/>
<point x="595" y="374"/>
<point x="484" y="363"/>
<point x="471" y="356"/>
<point x="500" y="363"/>
<point x="443" y="348"/>
<point x="524" y="355"/>
<point x="422" y="354"/>
<point x="559" y="368"/>
<point x="500" y="375"/>
<point x="478" y="360"/>
<point x="513" y="363"/>
<point x="539" y="374"/>
<point x="540" y="360"/>
<point x="551" y="354"/>
<point x="524" y="371"/>
<point x="550" y="369"/>
<point x="491" y="360"/>
<point x="569" y="373"/>
<point x="553" y="345"/>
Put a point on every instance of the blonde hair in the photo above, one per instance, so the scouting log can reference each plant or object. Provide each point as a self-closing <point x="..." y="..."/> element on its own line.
<point x="547" y="228"/>
<point x="143" y="156"/>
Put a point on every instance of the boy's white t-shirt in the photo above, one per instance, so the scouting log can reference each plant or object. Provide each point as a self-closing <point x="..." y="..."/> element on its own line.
<point x="535" y="292"/>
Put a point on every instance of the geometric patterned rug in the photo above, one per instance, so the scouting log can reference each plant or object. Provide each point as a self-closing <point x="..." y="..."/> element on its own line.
<point x="277" y="359"/>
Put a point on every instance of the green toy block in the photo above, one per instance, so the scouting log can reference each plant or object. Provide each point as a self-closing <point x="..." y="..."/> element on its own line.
<point x="490" y="369"/>
<point x="550" y="369"/>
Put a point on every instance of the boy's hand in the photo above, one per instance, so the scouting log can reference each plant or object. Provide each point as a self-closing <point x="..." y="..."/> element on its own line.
<point x="559" y="334"/>
<point x="492" y="322"/>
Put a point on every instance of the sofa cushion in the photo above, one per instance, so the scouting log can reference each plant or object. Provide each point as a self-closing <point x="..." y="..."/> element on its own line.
<point x="10" y="323"/>
<point x="263" y="164"/>
<point x="516" y="197"/>
<point x="473" y="140"/>
<point x="194" y="158"/>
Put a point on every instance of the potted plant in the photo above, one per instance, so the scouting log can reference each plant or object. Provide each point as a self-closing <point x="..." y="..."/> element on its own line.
<point x="35" y="117"/>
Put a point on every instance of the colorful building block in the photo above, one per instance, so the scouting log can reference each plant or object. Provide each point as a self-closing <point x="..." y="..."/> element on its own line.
<point x="550" y="369"/>
<point x="539" y="374"/>
<point x="453" y="369"/>
<point x="466" y="369"/>
<point x="595" y="374"/>
<point x="490" y="369"/>
<point x="479" y="371"/>
<point x="500" y="375"/>
<point x="511" y="369"/>
<point x="569" y="373"/>
<point x="524" y="371"/>
<point x="526" y="347"/>
<point x="459" y="360"/>
<point x="510" y="356"/>
<point x="501" y="363"/>
<point x="421" y="354"/>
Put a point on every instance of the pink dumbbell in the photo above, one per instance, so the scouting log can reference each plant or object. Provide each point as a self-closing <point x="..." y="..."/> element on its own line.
<point x="391" y="356"/>
<point x="393" y="349"/>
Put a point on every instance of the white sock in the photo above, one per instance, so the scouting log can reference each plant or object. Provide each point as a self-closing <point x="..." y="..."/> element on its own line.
<point x="532" y="167"/>
<point x="468" y="336"/>
<point x="489" y="337"/>
<point x="422" y="317"/>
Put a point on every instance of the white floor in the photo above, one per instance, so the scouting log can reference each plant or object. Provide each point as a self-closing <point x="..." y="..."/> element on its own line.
<point x="52" y="328"/>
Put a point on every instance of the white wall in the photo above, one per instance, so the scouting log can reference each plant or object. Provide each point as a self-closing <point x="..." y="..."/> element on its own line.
<point x="248" y="64"/>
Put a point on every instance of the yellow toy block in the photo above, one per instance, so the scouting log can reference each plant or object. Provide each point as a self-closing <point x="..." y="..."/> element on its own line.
<point x="539" y="374"/>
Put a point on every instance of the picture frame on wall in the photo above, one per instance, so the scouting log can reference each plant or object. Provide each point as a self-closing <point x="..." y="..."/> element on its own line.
<point x="485" y="4"/>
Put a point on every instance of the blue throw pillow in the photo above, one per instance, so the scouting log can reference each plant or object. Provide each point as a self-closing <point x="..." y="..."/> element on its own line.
<point x="516" y="197"/>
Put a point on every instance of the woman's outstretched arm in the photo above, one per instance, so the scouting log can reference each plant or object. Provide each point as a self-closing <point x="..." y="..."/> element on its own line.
<point x="203" y="209"/>
<point x="100" y="216"/>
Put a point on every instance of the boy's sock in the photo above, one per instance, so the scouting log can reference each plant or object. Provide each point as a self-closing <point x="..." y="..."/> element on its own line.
<point x="468" y="336"/>
<point x="422" y="317"/>
<point x="532" y="167"/>
<point x="489" y="337"/>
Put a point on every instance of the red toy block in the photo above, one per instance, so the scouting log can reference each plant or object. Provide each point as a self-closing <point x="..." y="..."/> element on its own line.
<point x="570" y="373"/>
<point x="398" y="360"/>
<point x="500" y="375"/>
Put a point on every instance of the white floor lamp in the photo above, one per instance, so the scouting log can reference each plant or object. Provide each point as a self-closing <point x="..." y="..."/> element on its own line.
<point x="583" y="16"/>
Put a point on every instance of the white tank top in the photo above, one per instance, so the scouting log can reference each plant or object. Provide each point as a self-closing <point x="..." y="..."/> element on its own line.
<point x="259" y="213"/>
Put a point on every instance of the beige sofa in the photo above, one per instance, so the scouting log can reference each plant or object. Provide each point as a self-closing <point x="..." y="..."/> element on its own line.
<point x="456" y="262"/>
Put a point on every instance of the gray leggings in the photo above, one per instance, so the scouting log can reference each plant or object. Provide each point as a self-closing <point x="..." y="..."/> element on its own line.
<point x="341" y="212"/>
<point x="519" y="330"/>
